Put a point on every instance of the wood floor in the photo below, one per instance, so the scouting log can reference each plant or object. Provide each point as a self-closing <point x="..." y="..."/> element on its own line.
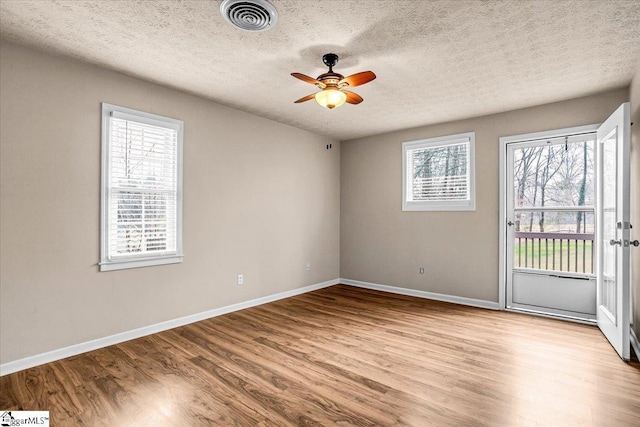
<point x="343" y="356"/>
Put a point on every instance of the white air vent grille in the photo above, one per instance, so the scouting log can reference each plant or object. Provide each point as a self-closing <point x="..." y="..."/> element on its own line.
<point x="249" y="15"/>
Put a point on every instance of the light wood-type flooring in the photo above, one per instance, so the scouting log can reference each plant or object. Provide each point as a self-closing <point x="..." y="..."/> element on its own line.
<point x="343" y="356"/>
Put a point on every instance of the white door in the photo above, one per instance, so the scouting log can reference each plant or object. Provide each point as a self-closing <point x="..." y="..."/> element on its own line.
<point x="550" y="225"/>
<point x="613" y="229"/>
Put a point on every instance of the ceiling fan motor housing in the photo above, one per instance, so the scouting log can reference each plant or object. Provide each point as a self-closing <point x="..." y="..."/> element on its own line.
<point x="330" y="79"/>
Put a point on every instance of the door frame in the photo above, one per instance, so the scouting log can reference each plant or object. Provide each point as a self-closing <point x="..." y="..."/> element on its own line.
<point x="503" y="214"/>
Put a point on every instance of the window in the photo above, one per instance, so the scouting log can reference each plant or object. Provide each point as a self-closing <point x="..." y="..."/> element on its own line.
<point x="438" y="174"/>
<point x="141" y="213"/>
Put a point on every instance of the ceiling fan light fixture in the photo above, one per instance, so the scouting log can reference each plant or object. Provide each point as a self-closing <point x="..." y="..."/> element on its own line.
<point x="331" y="98"/>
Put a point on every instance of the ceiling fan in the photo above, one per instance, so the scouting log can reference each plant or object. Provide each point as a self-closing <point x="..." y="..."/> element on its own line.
<point x="332" y="84"/>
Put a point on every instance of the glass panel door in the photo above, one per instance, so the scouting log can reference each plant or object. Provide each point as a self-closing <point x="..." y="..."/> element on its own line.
<point x="614" y="230"/>
<point x="609" y="253"/>
<point x="551" y="225"/>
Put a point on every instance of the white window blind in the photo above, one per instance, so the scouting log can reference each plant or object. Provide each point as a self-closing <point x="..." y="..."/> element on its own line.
<point x="438" y="173"/>
<point x="141" y="200"/>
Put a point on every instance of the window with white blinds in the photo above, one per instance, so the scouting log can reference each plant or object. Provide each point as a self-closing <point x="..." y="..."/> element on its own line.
<point x="438" y="173"/>
<point x="141" y="189"/>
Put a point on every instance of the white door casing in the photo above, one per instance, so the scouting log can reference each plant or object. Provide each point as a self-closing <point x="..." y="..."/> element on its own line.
<point x="506" y="202"/>
<point x="545" y="288"/>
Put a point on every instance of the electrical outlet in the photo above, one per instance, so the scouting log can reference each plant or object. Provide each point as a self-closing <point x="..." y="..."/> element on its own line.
<point x="240" y="279"/>
<point x="421" y="270"/>
<point x="308" y="266"/>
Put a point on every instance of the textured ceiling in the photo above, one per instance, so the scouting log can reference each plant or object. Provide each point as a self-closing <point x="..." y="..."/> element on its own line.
<point x="436" y="61"/>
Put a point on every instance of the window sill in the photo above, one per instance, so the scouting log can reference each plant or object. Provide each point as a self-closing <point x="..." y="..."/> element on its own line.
<point x="421" y="207"/>
<point x="137" y="263"/>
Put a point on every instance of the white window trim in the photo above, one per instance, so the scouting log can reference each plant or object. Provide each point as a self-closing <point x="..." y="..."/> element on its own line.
<point x="133" y="261"/>
<point x="455" y="205"/>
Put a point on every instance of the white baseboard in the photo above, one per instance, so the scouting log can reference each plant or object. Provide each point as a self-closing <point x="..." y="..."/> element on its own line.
<point x="424" y="294"/>
<point x="634" y="342"/>
<point x="72" y="350"/>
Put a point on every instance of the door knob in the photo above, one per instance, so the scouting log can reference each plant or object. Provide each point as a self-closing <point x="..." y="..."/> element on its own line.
<point x="510" y="223"/>
<point x="634" y="243"/>
<point x="615" y="242"/>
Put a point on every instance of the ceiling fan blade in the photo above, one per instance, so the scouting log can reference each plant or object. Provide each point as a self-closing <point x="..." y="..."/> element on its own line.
<point x="358" y="79"/>
<point x="308" y="79"/>
<point x="353" y="98"/>
<point x="306" y="98"/>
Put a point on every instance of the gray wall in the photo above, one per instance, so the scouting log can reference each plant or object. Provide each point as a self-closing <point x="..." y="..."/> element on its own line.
<point x="380" y="243"/>
<point x="260" y="198"/>
<point x="634" y="97"/>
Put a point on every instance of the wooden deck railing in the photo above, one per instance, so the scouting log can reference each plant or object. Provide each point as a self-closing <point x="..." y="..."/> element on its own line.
<point x="571" y="252"/>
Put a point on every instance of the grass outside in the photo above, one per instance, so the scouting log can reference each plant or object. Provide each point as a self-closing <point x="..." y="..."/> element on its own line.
<point x="543" y="254"/>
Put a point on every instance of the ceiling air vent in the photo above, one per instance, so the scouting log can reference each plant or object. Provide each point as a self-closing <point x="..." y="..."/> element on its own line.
<point x="249" y="15"/>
